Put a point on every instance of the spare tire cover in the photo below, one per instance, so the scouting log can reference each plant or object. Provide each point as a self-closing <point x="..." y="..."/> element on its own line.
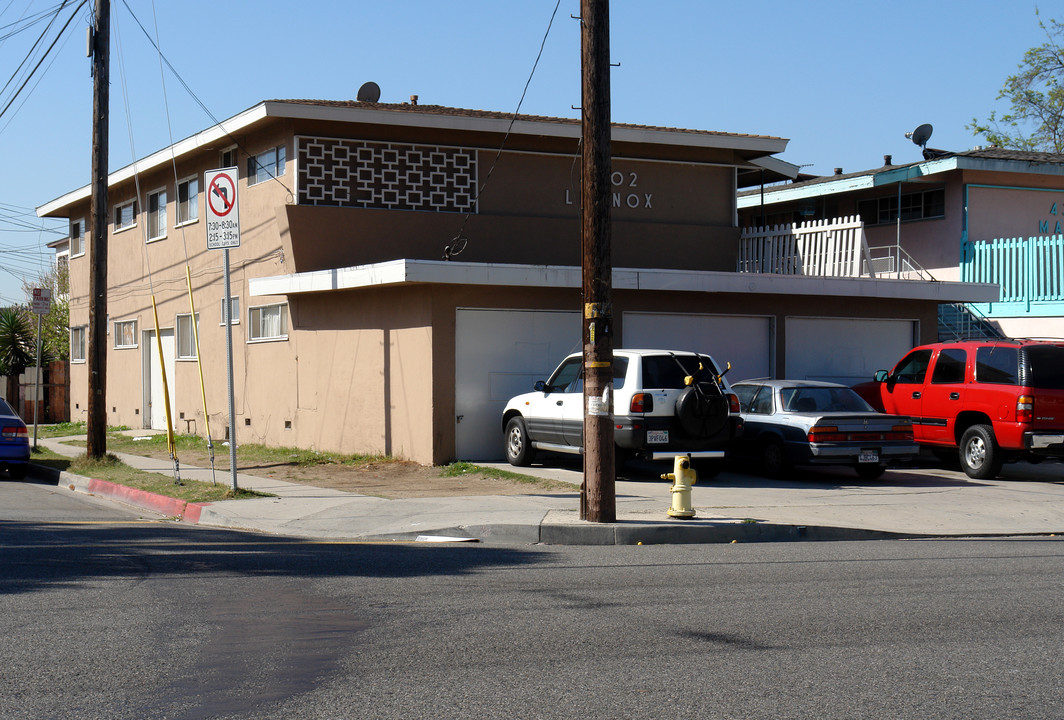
<point x="702" y="410"/>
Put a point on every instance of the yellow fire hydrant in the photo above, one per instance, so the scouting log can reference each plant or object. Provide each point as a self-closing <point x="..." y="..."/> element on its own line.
<point x="683" y="477"/>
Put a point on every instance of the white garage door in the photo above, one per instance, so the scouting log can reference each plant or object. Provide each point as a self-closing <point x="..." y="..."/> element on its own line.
<point x="846" y="351"/>
<point x="499" y="354"/>
<point x="743" y="340"/>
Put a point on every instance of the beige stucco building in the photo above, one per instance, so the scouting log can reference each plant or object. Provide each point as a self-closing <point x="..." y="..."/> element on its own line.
<point x="353" y="334"/>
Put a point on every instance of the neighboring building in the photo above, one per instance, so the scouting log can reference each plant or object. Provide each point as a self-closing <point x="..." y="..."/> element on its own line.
<point x="986" y="215"/>
<point x="351" y="332"/>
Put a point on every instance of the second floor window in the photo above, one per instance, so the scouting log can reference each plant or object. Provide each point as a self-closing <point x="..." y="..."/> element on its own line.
<point x="125" y="215"/>
<point x="914" y="206"/>
<point x="188" y="201"/>
<point x="157" y="215"/>
<point x="267" y="165"/>
<point x="77" y="238"/>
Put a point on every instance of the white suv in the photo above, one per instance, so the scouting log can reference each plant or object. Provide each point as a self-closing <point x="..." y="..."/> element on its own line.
<point x="665" y="403"/>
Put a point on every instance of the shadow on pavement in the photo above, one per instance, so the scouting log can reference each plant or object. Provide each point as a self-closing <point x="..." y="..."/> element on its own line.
<point x="39" y="555"/>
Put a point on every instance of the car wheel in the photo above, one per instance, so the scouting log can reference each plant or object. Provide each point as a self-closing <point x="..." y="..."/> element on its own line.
<point x="18" y="472"/>
<point x="519" y="450"/>
<point x="870" y="471"/>
<point x="980" y="455"/>
<point x="774" y="461"/>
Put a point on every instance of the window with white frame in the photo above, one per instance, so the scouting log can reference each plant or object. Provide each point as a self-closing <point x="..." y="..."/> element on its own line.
<point x="77" y="344"/>
<point x="268" y="322"/>
<point x="157" y="215"/>
<point x="234" y="311"/>
<point x="77" y="238"/>
<point x="188" y="201"/>
<point x="227" y="157"/>
<point x="125" y="334"/>
<point x="266" y="165"/>
<point x="186" y="337"/>
<point x="125" y="215"/>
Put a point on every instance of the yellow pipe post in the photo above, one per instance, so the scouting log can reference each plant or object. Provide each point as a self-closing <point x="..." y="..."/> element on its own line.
<point x="199" y="364"/>
<point x="171" y="444"/>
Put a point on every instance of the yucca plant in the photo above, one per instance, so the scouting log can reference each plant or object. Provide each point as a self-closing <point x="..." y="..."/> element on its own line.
<point x="17" y="349"/>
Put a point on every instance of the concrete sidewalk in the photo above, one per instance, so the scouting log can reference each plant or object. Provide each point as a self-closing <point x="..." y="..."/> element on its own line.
<point x="833" y="504"/>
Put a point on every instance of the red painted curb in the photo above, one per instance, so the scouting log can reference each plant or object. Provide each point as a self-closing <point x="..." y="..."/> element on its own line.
<point x="190" y="512"/>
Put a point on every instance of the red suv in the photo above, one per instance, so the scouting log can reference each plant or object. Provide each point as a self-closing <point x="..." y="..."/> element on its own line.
<point x="995" y="400"/>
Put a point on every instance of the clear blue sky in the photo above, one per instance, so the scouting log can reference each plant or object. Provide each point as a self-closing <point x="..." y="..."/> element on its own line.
<point x="842" y="80"/>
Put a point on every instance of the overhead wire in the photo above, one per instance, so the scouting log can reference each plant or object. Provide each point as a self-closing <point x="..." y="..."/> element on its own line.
<point x="459" y="242"/>
<point x="226" y="302"/>
<point x="171" y="443"/>
<point x="206" y="110"/>
<point x="46" y="54"/>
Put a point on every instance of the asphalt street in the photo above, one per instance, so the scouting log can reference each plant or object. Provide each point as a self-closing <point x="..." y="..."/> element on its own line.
<point x="127" y="618"/>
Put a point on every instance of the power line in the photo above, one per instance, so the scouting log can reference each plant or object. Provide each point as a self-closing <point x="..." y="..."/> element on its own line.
<point x="43" y="57"/>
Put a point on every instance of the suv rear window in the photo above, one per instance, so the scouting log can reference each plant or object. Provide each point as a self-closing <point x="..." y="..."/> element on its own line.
<point x="667" y="372"/>
<point x="1045" y="366"/>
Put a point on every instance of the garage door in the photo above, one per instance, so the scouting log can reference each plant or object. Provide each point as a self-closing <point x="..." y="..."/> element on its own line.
<point x="743" y="340"/>
<point x="846" y="351"/>
<point x="499" y="354"/>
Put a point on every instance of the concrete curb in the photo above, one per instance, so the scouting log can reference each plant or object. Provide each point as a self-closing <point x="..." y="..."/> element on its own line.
<point x="142" y="499"/>
<point x="553" y="527"/>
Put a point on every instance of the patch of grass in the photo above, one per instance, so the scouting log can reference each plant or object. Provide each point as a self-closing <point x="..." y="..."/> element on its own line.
<point x="68" y="428"/>
<point x="250" y="453"/>
<point x="457" y="469"/>
<point x="114" y="470"/>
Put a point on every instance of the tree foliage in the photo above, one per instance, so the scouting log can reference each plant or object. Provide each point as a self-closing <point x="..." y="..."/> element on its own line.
<point x="1035" y="120"/>
<point x="55" y="326"/>
<point x="17" y="342"/>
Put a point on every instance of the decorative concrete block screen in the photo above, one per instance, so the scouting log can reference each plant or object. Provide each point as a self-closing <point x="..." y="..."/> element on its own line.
<point x="389" y="176"/>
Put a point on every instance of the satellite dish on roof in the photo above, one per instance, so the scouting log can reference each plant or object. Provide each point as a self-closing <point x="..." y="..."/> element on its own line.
<point x="371" y="92"/>
<point x="921" y="135"/>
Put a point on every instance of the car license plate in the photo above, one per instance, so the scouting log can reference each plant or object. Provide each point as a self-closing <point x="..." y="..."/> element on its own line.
<point x="657" y="437"/>
<point x="868" y="456"/>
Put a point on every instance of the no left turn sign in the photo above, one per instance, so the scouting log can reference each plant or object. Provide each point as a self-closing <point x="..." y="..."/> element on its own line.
<point x="223" y="215"/>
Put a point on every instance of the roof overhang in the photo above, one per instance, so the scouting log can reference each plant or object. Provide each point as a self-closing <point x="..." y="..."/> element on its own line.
<point x="745" y="146"/>
<point x="412" y="272"/>
<point x="892" y="176"/>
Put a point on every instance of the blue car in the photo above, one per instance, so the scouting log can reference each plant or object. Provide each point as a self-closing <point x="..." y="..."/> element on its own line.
<point x="14" y="442"/>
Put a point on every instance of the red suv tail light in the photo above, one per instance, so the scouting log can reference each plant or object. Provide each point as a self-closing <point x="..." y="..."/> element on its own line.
<point x="733" y="403"/>
<point x="1025" y="408"/>
<point x="642" y="403"/>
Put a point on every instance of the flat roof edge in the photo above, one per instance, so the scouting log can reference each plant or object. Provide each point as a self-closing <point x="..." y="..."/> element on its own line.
<point x="406" y="271"/>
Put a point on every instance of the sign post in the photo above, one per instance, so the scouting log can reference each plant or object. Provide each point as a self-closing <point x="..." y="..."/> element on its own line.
<point x="223" y="232"/>
<point x="42" y="304"/>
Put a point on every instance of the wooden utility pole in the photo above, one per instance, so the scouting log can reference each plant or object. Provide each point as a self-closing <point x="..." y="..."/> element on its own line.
<point x="598" y="498"/>
<point x="96" y="447"/>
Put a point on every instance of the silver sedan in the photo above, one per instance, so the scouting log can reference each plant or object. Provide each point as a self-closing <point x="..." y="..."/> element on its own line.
<point x="805" y="422"/>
